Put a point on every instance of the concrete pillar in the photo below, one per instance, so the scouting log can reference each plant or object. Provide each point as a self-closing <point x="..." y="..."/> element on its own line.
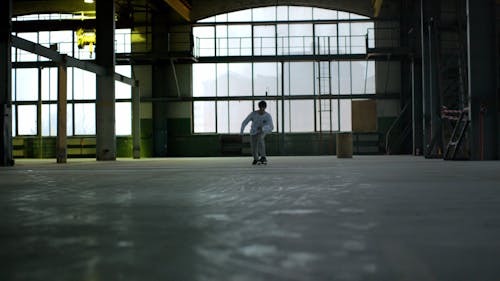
<point x="105" y="103"/>
<point x="62" y="101"/>
<point x="160" y="110"/>
<point x="483" y="100"/>
<point x="136" y="122"/>
<point x="160" y="89"/>
<point x="6" y="158"/>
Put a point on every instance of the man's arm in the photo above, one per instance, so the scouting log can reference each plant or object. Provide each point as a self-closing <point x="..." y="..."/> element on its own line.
<point x="269" y="123"/>
<point x="245" y="123"/>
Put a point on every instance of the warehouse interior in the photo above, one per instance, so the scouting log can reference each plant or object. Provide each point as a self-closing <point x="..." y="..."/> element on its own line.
<point x="398" y="75"/>
<point x="121" y="156"/>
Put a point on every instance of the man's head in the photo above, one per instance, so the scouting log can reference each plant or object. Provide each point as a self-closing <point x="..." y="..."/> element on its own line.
<point x="262" y="107"/>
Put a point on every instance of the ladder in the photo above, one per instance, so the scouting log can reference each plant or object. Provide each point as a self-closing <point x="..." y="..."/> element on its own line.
<point x="324" y="108"/>
<point x="325" y="89"/>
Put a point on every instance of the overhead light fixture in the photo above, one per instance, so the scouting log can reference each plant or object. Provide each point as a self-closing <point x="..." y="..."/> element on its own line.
<point x="83" y="15"/>
<point x="88" y="1"/>
<point x="86" y="37"/>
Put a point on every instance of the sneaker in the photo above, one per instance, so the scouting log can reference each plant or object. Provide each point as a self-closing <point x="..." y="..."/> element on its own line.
<point x="263" y="160"/>
<point x="255" y="162"/>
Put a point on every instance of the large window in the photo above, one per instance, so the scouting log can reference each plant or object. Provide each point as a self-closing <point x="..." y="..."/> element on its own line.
<point x="299" y="78"/>
<point x="28" y="127"/>
<point x="34" y="90"/>
<point x="267" y="35"/>
<point x="304" y="93"/>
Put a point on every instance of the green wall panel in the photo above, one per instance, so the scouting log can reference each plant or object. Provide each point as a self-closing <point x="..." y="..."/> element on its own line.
<point x="181" y="143"/>
<point x="147" y="144"/>
<point x="40" y="147"/>
<point x="179" y="126"/>
<point x="124" y="146"/>
<point x="310" y="144"/>
<point x="194" y="146"/>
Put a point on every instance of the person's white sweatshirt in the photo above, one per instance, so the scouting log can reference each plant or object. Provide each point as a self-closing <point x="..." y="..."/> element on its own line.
<point x="260" y="123"/>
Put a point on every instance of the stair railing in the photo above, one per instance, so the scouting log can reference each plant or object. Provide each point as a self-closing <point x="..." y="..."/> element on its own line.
<point x="388" y="135"/>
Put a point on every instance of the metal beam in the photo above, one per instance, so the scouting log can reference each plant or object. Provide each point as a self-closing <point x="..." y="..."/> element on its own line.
<point x="55" y="56"/>
<point x="57" y="25"/>
<point x="67" y="61"/>
<point x="181" y="8"/>
<point x="388" y="96"/>
<point x="126" y="80"/>
<point x="286" y="58"/>
<point x="51" y="25"/>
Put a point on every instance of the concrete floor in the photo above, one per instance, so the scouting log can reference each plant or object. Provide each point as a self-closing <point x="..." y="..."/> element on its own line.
<point x="298" y="218"/>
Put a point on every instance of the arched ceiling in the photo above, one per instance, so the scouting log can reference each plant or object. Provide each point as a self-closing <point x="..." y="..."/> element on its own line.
<point x="205" y="8"/>
<point x="26" y="7"/>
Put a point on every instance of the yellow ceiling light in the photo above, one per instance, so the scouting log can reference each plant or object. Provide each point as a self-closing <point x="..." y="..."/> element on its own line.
<point x="83" y="15"/>
<point x="88" y="1"/>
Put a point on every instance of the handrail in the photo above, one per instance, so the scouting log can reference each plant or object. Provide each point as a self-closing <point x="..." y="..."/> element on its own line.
<point x="280" y="45"/>
<point x="393" y="125"/>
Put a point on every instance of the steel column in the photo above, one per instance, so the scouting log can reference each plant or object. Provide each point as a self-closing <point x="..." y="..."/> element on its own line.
<point x="436" y="145"/>
<point x="416" y="81"/>
<point x="430" y="94"/>
<point x="483" y="100"/>
<point x="105" y="100"/>
<point x="282" y="138"/>
<point x="62" y="101"/>
<point x="136" y="122"/>
<point x="6" y="157"/>
<point x="424" y="10"/>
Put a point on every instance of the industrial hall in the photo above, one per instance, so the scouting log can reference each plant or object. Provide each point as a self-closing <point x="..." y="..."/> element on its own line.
<point x="204" y="140"/>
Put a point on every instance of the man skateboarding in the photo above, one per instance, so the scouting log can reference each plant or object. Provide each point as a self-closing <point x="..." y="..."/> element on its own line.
<point x="262" y="124"/>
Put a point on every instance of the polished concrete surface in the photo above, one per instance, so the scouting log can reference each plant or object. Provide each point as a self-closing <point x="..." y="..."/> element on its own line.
<point x="298" y="218"/>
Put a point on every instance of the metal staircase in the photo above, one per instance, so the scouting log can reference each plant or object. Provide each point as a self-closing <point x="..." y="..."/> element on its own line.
<point x="454" y="145"/>
<point x="452" y="83"/>
<point x="399" y="131"/>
